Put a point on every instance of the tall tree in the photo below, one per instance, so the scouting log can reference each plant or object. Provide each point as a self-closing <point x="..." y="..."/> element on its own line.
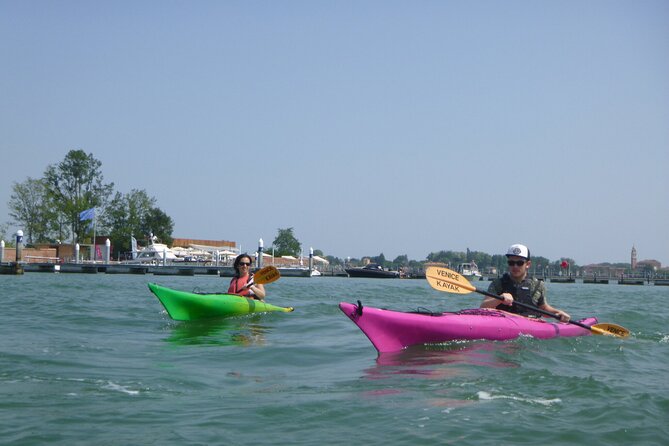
<point x="135" y="214"/>
<point x="285" y="243"/>
<point x="401" y="260"/>
<point x="29" y="207"/>
<point x="379" y="260"/>
<point x="75" y="185"/>
<point x="123" y="218"/>
<point x="159" y="224"/>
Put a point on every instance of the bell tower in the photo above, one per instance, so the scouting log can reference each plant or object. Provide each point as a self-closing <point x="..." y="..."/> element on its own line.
<point x="633" y="259"/>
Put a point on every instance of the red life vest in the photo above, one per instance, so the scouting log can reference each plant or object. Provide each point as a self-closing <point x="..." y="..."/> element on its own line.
<point x="237" y="286"/>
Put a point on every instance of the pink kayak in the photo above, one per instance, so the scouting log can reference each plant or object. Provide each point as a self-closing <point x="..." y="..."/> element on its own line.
<point x="394" y="330"/>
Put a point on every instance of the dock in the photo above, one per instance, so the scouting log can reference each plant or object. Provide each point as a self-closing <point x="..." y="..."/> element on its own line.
<point x="595" y="280"/>
<point x="170" y="269"/>
<point x="190" y="269"/>
<point x="120" y="268"/>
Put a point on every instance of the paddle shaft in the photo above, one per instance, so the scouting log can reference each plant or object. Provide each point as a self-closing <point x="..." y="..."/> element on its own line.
<point x="532" y="307"/>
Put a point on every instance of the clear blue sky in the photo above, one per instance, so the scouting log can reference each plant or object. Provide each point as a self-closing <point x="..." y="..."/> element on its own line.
<point x="368" y="126"/>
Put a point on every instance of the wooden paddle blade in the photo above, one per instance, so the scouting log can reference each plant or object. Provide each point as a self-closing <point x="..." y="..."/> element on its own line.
<point x="265" y="275"/>
<point x="611" y="330"/>
<point x="444" y="279"/>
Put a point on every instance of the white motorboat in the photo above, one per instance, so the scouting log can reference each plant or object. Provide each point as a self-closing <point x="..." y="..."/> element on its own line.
<point x="156" y="253"/>
<point x="470" y="271"/>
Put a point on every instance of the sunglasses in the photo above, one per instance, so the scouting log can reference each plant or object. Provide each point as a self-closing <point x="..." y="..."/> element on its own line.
<point x="515" y="262"/>
<point x="244" y="264"/>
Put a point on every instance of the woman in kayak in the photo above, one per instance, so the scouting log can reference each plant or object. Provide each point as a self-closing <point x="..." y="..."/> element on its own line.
<point x="515" y="285"/>
<point x="243" y="277"/>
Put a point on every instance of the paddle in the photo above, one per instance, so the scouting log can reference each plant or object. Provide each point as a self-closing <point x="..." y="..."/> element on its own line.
<point x="444" y="279"/>
<point x="264" y="275"/>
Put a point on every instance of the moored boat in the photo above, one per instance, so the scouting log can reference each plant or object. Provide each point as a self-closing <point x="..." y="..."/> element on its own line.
<point x="155" y="253"/>
<point x="390" y="330"/>
<point x="470" y="271"/>
<point x="294" y="271"/>
<point x="372" y="270"/>
<point x="186" y="306"/>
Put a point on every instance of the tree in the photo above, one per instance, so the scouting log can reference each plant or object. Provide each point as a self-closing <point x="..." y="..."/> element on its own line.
<point x="447" y="257"/>
<point x="482" y="259"/>
<point x="29" y="207"/>
<point x="75" y="185"/>
<point x="402" y="260"/>
<point x="540" y="265"/>
<point x="159" y="224"/>
<point x="4" y="228"/>
<point x="379" y="260"/>
<point x="334" y="260"/>
<point x="285" y="243"/>
<point x="499" y="261"/>
<point x="135" y="214"/>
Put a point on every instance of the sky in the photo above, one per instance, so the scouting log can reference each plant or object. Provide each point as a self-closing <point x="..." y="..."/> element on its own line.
<point x="368" y="127"/>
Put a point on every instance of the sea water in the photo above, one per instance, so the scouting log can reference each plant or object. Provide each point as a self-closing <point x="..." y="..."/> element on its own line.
<point x="94" y="359"/>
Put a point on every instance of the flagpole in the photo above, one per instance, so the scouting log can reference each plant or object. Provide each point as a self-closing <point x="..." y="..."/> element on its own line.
<point x="95" y="248"/>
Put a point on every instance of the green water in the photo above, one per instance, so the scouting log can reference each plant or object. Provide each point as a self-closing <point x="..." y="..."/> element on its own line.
<point x="93" y="359"/>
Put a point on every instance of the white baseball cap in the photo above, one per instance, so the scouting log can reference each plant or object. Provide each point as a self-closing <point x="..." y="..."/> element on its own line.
<point x="518" y="251"/>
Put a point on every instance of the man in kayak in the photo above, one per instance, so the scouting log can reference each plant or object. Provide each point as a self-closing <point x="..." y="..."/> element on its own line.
<point x="517" y="286"/>
<point x="242" y="282"/>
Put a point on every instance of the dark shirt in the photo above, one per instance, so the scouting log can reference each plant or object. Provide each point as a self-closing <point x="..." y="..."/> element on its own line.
<point x="529" y="291"/>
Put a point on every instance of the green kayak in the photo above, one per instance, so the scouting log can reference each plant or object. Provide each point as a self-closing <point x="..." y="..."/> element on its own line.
<point x="185" y="306"/>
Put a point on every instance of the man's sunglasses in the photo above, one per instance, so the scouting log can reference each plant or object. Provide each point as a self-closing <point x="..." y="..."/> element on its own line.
<point x="515" y="262"/>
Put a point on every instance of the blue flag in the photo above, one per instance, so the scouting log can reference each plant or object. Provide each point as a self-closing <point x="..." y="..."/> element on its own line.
<point x="88" y="214"/>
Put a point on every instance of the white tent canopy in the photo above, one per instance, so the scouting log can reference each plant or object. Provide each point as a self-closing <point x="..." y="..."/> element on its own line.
<point x="222" y="250"/>
<point x="321" y="260"/>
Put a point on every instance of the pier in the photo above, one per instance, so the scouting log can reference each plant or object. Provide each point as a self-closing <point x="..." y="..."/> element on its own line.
<point x="169" y="269"/>
<point x="196" y="269"/>
<point x="120" y="268"/>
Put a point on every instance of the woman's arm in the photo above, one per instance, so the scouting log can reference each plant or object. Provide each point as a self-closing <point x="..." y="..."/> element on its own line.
<point x="258" y="291"/>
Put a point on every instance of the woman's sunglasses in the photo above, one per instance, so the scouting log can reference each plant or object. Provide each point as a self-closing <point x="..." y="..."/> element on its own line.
<point x="244" y="264"/>
<point x="515" y="262"/>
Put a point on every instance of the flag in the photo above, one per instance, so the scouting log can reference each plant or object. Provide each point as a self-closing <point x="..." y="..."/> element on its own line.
<point x="133" y="245"/>
<point x="88" y="214"/>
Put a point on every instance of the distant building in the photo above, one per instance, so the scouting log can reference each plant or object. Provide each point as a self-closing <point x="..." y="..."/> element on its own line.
<point x="645" y="265"/>
<point x="602" y="270"/>
<point x="649" y="265"/>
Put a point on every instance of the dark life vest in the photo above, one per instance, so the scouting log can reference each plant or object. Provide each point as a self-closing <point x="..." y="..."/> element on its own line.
<point x="525" y="292"/>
